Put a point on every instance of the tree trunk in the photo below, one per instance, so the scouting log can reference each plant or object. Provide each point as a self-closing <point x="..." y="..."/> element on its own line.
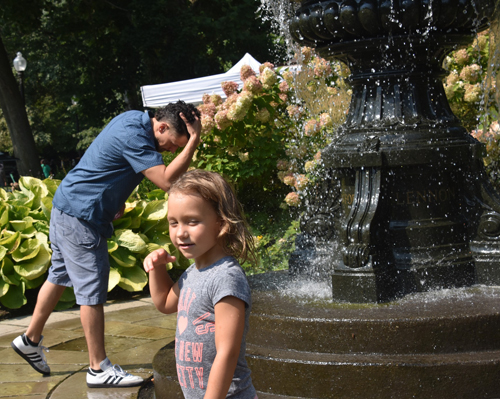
<point x="14" y="111"/>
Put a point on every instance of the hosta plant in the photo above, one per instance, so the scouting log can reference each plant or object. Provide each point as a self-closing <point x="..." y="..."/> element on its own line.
<point x="25" y="252"/>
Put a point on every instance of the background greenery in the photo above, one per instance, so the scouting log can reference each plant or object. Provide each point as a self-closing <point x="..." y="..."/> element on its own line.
<point x="86" y="62"/>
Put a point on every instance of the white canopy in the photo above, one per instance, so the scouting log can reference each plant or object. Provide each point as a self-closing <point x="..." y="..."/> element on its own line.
<point x="192" y="90"/>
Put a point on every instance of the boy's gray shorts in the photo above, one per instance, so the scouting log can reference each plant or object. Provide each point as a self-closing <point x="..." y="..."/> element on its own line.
<point x="79" y="258"/>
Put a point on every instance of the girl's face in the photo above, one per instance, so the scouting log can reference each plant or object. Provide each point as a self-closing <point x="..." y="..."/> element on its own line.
<point x="194" y="228"/>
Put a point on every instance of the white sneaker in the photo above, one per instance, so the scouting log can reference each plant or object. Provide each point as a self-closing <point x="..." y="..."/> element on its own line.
<point x="32" y="354"/>
<point x="111" y="376"/>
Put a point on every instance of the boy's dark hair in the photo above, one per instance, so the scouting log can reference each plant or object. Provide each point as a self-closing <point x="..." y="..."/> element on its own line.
<point x="170" y="113"/>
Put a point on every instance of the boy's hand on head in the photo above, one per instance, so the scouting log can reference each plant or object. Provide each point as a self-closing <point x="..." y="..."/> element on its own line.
<point x="194" y="128"/>
<point x="159" y="257"/>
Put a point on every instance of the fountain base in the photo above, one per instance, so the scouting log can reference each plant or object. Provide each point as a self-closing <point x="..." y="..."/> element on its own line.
<point x="442" y="344"/>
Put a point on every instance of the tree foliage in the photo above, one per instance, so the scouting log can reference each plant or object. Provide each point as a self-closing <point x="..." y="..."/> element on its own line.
<point x="88" y="58"/>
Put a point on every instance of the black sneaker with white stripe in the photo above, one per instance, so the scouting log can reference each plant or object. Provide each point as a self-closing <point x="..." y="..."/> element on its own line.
<point x="32" y="354"/>
<point x="111" y="376"/>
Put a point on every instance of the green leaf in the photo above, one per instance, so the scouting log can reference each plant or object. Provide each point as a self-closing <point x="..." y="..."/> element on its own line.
<point x="10" y="240"/>
<point x="35" y="283"/>
<point x="8" y="273"/>
<point x="4" y="215"/>
<point x="27" y="250"/>
<point x="35" y="267"/>
<point x="4" y="288"/>
<point x="29" y="232"/>
<point x="155" y="210"/>
<point x="123" y="257"/>
<point x="112" y="246"/>
<point x="3" y="194"/>
<point x="133" y="279"/>
<point x="18" y="212"/>
<point x="51" y="185"/>
<point x="21" y="225"/>
<point x="130" y="240"/>
<point x="42" y="227"/>
<point x="32" y="184"/>
<point x="3" y="252"/>
<point x="154" y="227"/>
<point x="67" y="299"/>
<point x="134" y="209"/>
<point x="122" y="223"/>
<point x="157" y="194"/>
<point x="135" y="222"/>
<point x="68" y="295"/>
<point x="114" y="278"/>
<point x="14" y="298"/>
<point x="46" y="206"/>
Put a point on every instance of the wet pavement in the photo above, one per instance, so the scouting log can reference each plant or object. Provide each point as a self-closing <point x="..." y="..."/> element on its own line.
<point x="135" y="331"/>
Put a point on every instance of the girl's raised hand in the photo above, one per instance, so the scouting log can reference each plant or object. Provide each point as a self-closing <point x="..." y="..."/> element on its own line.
<point x="158" y="257"/>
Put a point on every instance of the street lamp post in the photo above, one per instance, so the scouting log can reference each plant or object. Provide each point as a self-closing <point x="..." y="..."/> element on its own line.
<point x="20" y="66"/>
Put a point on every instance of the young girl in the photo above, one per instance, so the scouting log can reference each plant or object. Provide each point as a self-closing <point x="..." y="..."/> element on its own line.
<point x="212" y="297"/>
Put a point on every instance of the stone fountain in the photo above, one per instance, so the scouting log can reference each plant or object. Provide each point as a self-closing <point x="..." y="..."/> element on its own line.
<point x="417" y="211"/>
<point x="414" y="217"/>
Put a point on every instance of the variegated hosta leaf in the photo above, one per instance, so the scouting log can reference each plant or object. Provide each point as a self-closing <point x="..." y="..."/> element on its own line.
<point x="8" y="273"/>
<point x="27" y="250"/>
<point x="4" y="288"/>
<point x="133" y="279"/>
<point x="112" y="246"/>
<point x="14" y="298"/>
<point x="123" y="257"/>
<point x="155" y="210"/>
<point x="114" y="278"/>
<point x="10" y="240"/>
<point x="130" y="240"/>
<point x="4" y="214"/>
<point x="35" y="267"/>
<point x="21" y="225"/>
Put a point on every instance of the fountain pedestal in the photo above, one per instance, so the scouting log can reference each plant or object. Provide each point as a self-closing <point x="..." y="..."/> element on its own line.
<point x="433" y="345"/>
<point x="413" y="191"/>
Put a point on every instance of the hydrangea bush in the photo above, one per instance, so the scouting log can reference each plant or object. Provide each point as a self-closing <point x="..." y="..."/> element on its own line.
<point x="266" y="138"/>
<point x="272" y="129"/>
<point x="471" y="88"/>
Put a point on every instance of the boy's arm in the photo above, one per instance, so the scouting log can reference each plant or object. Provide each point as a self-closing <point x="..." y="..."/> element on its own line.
<point x="164" y="292"/>
<point x="229" y="328"/>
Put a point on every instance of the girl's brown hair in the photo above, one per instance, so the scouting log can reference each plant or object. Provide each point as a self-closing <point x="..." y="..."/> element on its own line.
<point x="212" y="187"/>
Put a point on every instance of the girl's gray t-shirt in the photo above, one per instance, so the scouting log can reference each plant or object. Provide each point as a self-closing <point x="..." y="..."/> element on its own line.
<point x="200" y="291"/>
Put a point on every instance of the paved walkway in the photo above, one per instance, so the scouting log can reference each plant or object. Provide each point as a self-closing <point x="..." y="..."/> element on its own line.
<point x="135" y="331"/>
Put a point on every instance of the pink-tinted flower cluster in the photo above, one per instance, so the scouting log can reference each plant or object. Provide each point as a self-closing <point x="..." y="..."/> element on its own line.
<point x="322" y="67"/>
<point x="240" y="107"/>
<point x="289" y="180"/>
<point x="283" y="164"/>
<point x="470" y="73"/>
<point x="292" y="199"/>
<point x="252" y="84"/>
<point x="264" y="66"/>
<point x="493" y="133"/>
<point x="268" y="77"/>
<point x="245" y="72"/>
<point x="294" y="111"/>
<point x="461" y="57"/>
<point x="301" y="182"/>
<point x="312" y="127"/>
<point x="325" y="120"/>
<point x="472" y="93"/>
<point x="229" y="87"/>
<point x="263" y="115"/>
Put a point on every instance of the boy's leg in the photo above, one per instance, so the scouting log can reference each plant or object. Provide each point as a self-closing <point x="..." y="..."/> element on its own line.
<point x="92" y="318"/>
<point x="48" y="297"/>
